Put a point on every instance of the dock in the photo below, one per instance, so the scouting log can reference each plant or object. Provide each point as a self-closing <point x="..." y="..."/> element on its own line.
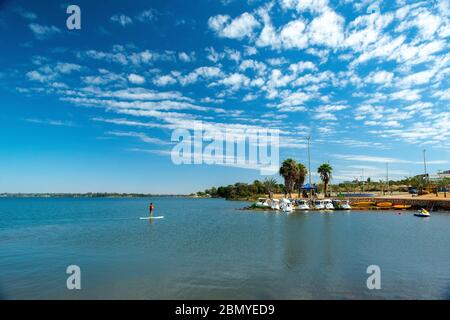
<point x="415" y="203"/>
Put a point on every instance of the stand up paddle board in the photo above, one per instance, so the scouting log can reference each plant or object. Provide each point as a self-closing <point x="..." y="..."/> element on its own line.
<point x="148" y="218"/>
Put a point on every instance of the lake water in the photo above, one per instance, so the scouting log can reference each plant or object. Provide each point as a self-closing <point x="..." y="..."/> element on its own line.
<point x="206" y="249"/>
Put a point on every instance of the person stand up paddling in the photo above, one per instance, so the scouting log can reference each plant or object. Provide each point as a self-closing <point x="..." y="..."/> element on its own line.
<point x="151" y="207"/>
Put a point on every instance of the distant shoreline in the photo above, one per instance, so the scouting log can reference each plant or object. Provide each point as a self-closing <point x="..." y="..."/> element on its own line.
<point x="87" y="195"/>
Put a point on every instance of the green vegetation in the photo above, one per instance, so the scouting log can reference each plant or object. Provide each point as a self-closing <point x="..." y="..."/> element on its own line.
<point x="294" y="175"/>
<point x="289" y="171"/>
<point x="444" y="185"/>
<point x="325" y="171"/>
<point x="301" y="176"/>
<point x="245" y="191"/>
<point x="270" y="185"/>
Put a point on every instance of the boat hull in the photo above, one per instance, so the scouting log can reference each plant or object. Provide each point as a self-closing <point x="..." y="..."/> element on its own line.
<point x="384" y="205"/>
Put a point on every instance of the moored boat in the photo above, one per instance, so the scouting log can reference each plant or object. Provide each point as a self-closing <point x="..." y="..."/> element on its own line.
<point x="275" y="204"/>
<point x="319" y="205"/>
<point x="384" y="204"/>
<point x="402" y="206"/>
<point x="364" y="204"/>
<point x="302" y="205"/>
<point x="422" y="213"/>
<point x="328" y="204"/>
<point x="263" y="203"/>
<point x="342" y="205"/>
<point x="286" y="205"/>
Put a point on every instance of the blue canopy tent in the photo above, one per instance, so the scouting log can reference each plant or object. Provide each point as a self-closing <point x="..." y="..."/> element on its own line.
<point x="308" y="187"/>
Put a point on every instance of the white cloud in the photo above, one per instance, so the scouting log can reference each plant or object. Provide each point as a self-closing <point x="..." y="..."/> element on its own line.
<point x="442" y="95"/>
<point x="122" y="19"/>
<point x="380" y="77"/>
<point x="37" y="76"/>
<point x="185" y="57"/>
<point x="424" y="21"/>
<point x="136" y="79"/>
<point x="26" y="14"/>
<point x="165" y="80"/>
<point x="259" y="67"/>
<point x="58" y="123"/>
<point x="327" y="29"/>
<point x="235" y="81"/>
<point x="201" y="73"/>
<point x="124" y="57"/>
<point x="147" y="15"/>
<point x="331" y="108"/>
<point x="301" y="66"/>
<point x="67" y="68"/>
<point x="293" y="35"/>
<point x="268" y="35"/>
<point x="366" y="158"/>
<point x="418" y="78"/>
<point x="213" y="55"/>
<point x="43" y="32"/>
<point x="305" y="5"/>
<point x="407" y="94"/>
<point x="141" y="136"/>
<point x="238" y="28"/>
<point x="324" y="116"/>
<point x="249" y="97"/>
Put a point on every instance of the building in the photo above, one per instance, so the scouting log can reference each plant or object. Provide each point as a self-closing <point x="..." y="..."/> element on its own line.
<point x="435" y="177"/>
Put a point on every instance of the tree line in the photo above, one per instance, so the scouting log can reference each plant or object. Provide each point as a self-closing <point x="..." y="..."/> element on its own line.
<point x="293" y="173"/>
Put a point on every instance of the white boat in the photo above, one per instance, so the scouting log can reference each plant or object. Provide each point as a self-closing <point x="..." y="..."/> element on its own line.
<point x="345" y="205"/>
<point x="263" y="203"/>
<point x="342" y="205"/>
<point x="302" y="205"/>
<point x="328" y="204"/>
<point x="275" y="204"/>
<point x="286" y="205"/>
<point x="422" y="213"/>
<point x="319" y="205"/>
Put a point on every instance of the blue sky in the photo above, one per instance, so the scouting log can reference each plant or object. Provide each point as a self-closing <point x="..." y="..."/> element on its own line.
<point x="94" y="109"/>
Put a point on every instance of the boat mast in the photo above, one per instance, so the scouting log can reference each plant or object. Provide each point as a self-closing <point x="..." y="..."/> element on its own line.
<point x="387" y="176"/>
<point x="362" y="178"/>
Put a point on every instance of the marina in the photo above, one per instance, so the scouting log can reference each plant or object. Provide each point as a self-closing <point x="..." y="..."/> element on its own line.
<point x="348" y="204"/>
<point x="207" y="248"/>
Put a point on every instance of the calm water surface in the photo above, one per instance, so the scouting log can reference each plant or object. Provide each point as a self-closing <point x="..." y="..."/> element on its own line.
<point x="206" y="249"/>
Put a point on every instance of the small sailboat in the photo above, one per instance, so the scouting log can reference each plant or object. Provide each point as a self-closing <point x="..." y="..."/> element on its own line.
<point x="423" y="213"/>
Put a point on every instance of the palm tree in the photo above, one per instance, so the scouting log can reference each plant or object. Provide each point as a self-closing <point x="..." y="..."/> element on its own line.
<point x="289" y="171"/>
<point x="301" y="176"/>
<point x="270" y="185"/>
<point x="325" y="171"/>
<point x="417" y="182"/>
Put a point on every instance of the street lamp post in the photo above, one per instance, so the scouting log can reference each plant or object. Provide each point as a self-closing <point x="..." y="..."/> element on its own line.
<point x="425" y="165"/>
<point x="387" y="176"/>
<point x="309" y="166"/>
